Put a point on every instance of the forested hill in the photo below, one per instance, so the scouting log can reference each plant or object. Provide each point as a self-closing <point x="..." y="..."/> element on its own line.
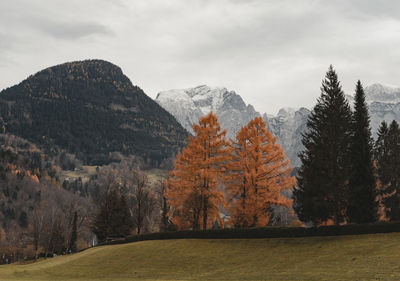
<point x="91" y="109"/>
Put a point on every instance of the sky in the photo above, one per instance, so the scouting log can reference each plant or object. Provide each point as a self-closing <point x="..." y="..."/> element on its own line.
<point x="272" y="53"/>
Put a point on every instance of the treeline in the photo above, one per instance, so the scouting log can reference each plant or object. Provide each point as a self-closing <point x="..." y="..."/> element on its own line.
<point x="244" y="179"/>
<point x="345" y="176"/>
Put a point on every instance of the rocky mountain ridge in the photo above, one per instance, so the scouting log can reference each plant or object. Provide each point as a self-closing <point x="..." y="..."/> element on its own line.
<point x="188" y="105"/>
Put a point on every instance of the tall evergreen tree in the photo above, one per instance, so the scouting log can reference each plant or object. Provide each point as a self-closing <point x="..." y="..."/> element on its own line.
<point x="387" y="154"/>
<point x="362" y="204"/>
<point x="324" y="173"/>
<point x="380" y="150"/>
<point x="381" y="154"/>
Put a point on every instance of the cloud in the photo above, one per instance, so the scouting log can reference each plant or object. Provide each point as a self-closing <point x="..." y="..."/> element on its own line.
<point x="273" y="53"/>
<point x="73" y="30"/>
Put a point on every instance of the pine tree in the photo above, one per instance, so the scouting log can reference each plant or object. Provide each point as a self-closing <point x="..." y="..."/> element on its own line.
<point x="387" y="154"/>
<point x="193" y="188"/>
<point x="324" y="173"/>
<point x="380" y="149"/>
<point x="362" y="204"/>
<point x="74" y="234"/>
<point x="258" y="173"/>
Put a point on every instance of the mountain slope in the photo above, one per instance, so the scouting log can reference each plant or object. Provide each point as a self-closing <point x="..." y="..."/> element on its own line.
<point x="91" y="109"/>
<point x="288" y="126"/>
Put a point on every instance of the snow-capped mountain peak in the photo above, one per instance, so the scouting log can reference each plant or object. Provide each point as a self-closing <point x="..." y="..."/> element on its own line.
<point x="188" y="105"/>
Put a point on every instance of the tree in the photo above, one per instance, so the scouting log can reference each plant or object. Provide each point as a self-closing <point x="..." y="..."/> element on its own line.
<point x="143" y="201"/>
<point x="37" y="228"/>
<point x="193" y="187"/>
<point x="258" y="173"/>
<point x="362" y="204"/>
<point x="387" y="154"/>
<point x="325" y="162"/>
<point x="165" y="223"/>
<point x="74" y="235"/>
<point x="114" y="219"/>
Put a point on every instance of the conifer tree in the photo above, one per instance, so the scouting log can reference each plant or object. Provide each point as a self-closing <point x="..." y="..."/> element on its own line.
<point x="387" y="154"/>
<point x="362" y="204"/>
<point x="325" y="162"/>
<point x="380" y="148"/>
<point x="193" y="187"/>
<point x="258" y="173"/>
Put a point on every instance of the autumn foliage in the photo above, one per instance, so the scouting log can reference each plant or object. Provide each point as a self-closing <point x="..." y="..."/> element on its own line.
<point x="258" y="173"/>
<point x="193" y="188"/>
<point x="252" y="172"/>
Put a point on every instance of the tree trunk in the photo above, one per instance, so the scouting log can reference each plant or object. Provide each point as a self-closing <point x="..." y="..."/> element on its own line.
<point x="205" y="214"/>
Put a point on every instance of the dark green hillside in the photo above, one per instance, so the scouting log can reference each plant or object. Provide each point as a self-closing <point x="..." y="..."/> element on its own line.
<point x="90" y="108"/>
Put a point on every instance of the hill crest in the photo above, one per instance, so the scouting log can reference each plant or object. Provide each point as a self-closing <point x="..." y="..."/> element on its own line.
<point x="91" y="109"/>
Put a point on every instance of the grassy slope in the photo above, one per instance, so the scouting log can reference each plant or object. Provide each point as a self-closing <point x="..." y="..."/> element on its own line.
<point x="365" y="257"/>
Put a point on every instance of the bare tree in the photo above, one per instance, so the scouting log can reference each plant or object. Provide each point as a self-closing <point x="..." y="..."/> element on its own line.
<point x="144" y="202"/>
<point x="37" y="228"/>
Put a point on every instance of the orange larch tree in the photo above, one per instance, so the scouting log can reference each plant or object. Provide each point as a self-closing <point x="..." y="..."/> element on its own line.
<point x="256" y="176"/>
<point x="193" y="189"/>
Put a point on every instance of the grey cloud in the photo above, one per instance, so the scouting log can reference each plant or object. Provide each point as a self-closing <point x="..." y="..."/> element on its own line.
<point x="260" y="48"/>
<point x="74" y="30"/>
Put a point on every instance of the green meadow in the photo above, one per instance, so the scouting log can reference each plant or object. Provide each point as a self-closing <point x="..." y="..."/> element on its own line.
<point x="362" y="257"/>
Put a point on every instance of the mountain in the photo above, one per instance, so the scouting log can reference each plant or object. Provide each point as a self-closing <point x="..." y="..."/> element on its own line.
<point x="382" y="93"/>
<point x="383" y="102"/>
<point x="90" y="109"/>
<point x="188" y="105"/>
<point x="288" y="126"/>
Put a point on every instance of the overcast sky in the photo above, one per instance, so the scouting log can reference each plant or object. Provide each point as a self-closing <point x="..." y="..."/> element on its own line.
<point x="273" y="53"/>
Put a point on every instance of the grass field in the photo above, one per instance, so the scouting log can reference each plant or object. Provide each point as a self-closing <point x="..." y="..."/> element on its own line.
<point x="153" y="175"/>
<point x="83" y="173"/>
<point x="364" y="257"/>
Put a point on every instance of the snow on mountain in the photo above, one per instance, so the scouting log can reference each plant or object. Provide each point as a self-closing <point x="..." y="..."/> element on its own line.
<point x="188" y="105"/>
<point x="384" y="104"/>
<point x="382" y="93"/>
<point x="181" y="106"/>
